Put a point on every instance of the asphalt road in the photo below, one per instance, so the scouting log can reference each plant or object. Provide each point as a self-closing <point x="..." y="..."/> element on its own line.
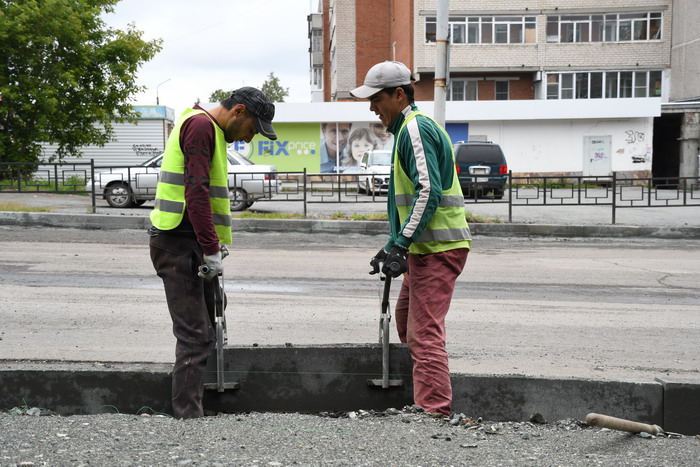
<point x="622" y="309"/>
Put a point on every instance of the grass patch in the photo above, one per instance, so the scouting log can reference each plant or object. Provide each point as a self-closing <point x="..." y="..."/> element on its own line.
<point x="369" y="217"/>
<point x="358" y="217"/>
<point x="16" y="207"/>
<point x="268" y="215"/>
<point x="473" y="219"/>
<point x="69" y="185"/>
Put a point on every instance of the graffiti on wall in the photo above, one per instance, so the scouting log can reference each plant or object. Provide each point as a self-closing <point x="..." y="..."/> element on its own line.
<point x="636" y="148"/>
<point x="634" y="136"/>
<point x="146" y="151"/>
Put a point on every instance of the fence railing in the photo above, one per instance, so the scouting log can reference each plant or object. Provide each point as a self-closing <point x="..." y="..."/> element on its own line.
<point x="125" y="186"/>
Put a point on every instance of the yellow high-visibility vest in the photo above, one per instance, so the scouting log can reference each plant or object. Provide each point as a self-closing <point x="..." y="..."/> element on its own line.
<point x="170" y="192"/>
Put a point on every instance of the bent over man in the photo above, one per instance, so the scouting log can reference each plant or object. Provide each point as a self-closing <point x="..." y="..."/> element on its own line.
<point x="430" y="238"/>
<point x="191" y="220"/>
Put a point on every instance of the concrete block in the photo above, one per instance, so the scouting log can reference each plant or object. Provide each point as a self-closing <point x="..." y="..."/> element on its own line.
<point x="309" y="379"/>
<point x="87" y="389"/>
<point x="681" y="407"/>
<point x="504" y="398"/>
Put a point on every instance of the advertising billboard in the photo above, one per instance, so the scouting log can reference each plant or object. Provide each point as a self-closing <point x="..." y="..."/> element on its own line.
<point x="319" y="147"/>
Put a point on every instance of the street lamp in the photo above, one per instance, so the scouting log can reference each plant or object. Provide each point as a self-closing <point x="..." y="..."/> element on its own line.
<point x="158" y="100"/>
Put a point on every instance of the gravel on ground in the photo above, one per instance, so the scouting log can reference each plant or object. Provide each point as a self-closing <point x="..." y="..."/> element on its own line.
<point x="394" y="437"/>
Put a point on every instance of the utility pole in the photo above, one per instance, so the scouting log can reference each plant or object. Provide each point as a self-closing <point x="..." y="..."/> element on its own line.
<point x="441" y="65"/>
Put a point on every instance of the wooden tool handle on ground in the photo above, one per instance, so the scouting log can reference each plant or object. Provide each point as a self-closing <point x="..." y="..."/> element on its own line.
<point x="605" y="421"/>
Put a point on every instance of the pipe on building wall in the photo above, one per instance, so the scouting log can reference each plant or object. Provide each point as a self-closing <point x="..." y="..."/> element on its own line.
<point x="441" y="41"/>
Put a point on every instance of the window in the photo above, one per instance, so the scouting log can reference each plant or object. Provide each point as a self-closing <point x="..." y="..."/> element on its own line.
<point x="502" y="90"/>
<point x="462" y="90"/>
<point x="553" y="86"/>
<point x="457" y="28"/>
<point x="430" y="29"/>
<point x="626" y="84"/>
<point x="582" y="85"/>
<point x="654" y="84"/>
<point x="641" y="86"/>
<point x="604" y="28"/>
<point x="596" y="87"/>
<point x="486" y="29"/>
<point x="317" y="77"/>
<point x="611" y="84"/>
<point x="567" y="86"/>
<point x="598" y="84"/>
<point x="316" y="40"/>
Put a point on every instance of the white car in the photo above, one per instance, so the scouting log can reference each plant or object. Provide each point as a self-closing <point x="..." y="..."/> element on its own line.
<point x="125" y="187"/>
<point x="375" y="170"/>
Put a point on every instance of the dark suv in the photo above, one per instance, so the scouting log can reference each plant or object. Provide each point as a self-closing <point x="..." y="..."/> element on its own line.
<point x="481" y="168"/>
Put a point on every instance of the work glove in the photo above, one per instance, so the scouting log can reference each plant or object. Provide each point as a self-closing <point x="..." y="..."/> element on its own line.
<point x="396" y="262"/>
<point x="212" y="266"/>
<point x="380" y="257"/>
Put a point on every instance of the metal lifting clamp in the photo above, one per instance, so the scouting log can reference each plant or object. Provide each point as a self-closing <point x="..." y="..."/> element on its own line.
<point x="384" y="320"/>
<point x="220" y="327"/>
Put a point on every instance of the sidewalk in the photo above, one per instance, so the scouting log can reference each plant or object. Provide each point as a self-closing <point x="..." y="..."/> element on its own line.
<point x="560" y="221"/>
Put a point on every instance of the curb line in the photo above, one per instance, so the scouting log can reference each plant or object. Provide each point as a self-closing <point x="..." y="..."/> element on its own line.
<point x="108" y="222"/>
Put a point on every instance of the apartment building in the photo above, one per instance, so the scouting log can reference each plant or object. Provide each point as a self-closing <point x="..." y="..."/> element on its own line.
<point x="596" y="54"/>
<point x="504" y="49"/>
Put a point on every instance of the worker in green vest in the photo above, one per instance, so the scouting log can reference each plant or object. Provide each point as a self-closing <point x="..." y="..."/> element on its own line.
<point x="430" y="239"/>
<point x="192" y="220"/>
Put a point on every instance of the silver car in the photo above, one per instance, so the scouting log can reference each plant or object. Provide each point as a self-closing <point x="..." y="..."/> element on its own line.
<point x="125" y="187"/>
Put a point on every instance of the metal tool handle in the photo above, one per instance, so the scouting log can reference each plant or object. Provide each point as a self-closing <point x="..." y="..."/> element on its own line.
<point x="204" y="268"/>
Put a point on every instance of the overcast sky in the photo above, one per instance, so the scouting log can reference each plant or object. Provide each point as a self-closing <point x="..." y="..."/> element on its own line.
<point x="216" y="44"/>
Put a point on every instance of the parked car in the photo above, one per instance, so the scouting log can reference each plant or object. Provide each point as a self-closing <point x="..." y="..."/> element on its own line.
<point x="375" y="170"/>
<point x="125" y="187"/>
<point x="481" y="167"/>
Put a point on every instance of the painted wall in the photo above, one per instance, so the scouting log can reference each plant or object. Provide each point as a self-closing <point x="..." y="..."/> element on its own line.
<point x="559" y="145"/>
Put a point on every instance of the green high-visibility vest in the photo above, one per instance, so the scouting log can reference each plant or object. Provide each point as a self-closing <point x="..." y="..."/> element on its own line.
<point x="170" y="192"/>
<point x="447" y="228"/>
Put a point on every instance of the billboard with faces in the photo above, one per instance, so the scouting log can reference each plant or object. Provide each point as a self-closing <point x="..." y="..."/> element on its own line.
<point x="328" y="147"/>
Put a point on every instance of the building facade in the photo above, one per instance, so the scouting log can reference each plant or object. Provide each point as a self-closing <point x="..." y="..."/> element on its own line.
<point x="677" y="130"/>
<point x="602" y="51"/>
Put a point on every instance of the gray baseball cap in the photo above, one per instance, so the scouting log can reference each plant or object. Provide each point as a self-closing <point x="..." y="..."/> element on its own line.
<point x="260" y="106"/>
<point x="381" y="76"/>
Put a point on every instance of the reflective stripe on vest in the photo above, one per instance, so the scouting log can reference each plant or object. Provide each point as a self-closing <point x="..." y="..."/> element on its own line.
<point x="447" y="228"/>
<point x="170" y="201"/>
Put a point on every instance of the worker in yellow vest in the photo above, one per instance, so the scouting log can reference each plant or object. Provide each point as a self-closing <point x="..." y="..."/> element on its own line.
<point x="191" y="220"/>
<point x="430" y="239"/>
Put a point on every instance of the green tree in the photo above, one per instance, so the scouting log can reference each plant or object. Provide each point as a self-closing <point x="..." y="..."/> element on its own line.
<point x="64" y="76"/>
<point x="272" y="88"/>
<point x="219" y="95"/>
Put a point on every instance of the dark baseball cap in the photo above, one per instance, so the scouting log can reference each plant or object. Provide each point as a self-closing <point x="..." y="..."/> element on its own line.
<point x="260" y="106"/>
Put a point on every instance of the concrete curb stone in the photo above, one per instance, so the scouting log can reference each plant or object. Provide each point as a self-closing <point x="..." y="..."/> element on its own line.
<point x="101" y="221"/>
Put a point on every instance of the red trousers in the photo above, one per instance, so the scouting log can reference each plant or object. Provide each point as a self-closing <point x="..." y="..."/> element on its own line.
<point x="426" y="293"/>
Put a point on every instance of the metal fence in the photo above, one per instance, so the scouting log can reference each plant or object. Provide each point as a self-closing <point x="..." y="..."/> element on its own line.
<point x="126" y="186"/>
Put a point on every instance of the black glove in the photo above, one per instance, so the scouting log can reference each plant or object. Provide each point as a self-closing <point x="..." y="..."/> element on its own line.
<point x="396" y="262"/>
<point x="380" y="257"/>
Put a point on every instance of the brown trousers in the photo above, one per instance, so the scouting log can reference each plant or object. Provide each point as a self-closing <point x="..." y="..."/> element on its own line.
<point x="190" y="299"/>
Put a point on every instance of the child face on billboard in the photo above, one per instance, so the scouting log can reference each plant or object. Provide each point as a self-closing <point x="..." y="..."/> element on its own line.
<point x="359" y="147"/>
